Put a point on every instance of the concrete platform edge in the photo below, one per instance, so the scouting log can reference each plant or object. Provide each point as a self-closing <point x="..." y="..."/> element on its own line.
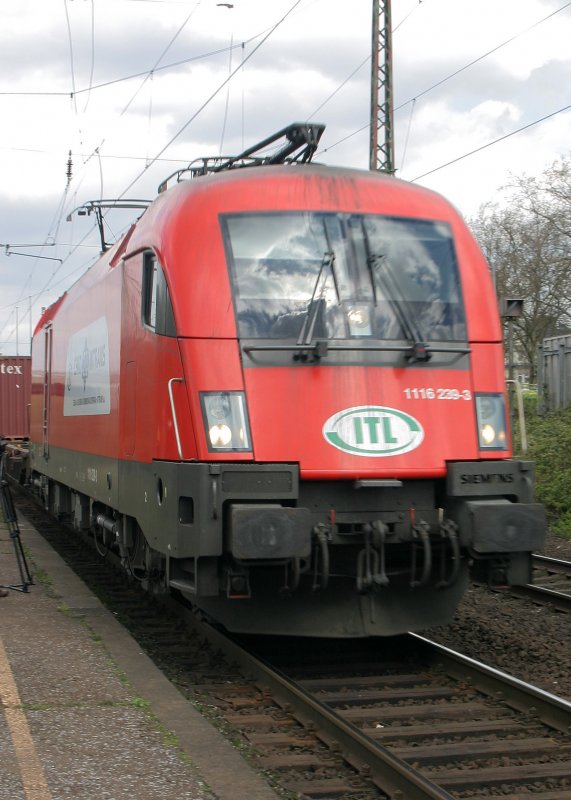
<point x="197" y="738"/>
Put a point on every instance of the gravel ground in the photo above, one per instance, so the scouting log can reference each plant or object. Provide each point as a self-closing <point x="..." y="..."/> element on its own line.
<point x="531" y="642"/>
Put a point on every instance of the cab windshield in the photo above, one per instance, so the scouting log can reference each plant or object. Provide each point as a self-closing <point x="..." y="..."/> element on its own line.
<point x="308" y="276"/>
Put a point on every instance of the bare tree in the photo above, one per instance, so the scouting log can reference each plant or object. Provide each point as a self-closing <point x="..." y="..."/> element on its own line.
<point x="528" y="245"/>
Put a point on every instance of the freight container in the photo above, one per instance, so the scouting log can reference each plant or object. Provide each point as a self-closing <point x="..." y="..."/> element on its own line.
<point x="15" y="394"/>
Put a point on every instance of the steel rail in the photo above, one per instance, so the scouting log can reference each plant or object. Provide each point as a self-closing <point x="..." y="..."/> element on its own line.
<point x="554" y="564"/>
<point x="561" y="601"/>
<point x="558" y="600"/>
<point x="550" y="709"/>
<point x="390" y="773"/>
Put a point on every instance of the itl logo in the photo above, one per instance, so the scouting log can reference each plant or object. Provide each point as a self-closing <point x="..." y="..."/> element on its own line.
<point x="373" y="431"/>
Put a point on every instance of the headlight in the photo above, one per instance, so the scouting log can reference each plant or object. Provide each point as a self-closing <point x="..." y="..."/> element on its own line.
<point x="226" y="421"/>
<point x="491" y="420"/>
<point x="359" y="319"/>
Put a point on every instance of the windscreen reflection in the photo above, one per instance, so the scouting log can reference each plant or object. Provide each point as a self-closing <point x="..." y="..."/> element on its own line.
<point x="363" y="276"/>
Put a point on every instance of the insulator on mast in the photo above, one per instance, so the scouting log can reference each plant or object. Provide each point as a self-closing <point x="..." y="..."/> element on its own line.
<point x="69" y="169"/>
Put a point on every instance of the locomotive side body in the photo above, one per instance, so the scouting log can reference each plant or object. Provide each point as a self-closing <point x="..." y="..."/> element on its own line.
<point x="282" y="394"/>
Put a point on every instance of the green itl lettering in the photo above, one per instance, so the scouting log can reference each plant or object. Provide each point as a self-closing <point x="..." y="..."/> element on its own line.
<point x="387" y="431"/>
<point x="372" y="424"/>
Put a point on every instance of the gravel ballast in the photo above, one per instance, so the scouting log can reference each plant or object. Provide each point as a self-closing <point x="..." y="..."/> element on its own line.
<point x="531" y="642"/>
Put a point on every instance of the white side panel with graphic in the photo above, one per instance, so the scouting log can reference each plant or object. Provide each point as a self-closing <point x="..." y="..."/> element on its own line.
<point x="87" y="386"/>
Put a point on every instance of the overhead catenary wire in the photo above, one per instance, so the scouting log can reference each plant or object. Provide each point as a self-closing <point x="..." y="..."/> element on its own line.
<point x="13" y="306"/>
<point x="71" y="58"/>
<point x="442" y="80"/>
<point x="61" y="206"/>
<point x="142" y="74"/>
<point x="227" y="98"/>
<point x="97" y="150"/>
<point x="82" y="267"/>
<point x="156" y="66"/>
<point x="73" y="96"/>
<point x="406" y="138"/>
<point x="122" y="79"/>
<point x="156" y="158"/>
<point x="149" y="73"/>
<point x="97" y="153"/>
<point x="89" y="155"/>
<point x="211" y="97"/>
<point x="494" y="141"/>
<point x="231" y="74"/>
<point x="413" y="100"/>
<point x="483" y="56"/>
<point x="149" y="76"/>
<point x="46" y="243"/>
<point x="50" y="240"/>
<point x="92" y="70"/>
<point x="360" y="66"/>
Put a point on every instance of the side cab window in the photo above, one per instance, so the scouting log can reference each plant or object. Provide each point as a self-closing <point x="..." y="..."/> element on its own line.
<point x="157" y="307"/>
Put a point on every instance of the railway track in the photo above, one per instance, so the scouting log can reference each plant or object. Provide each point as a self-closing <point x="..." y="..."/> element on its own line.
<point x="429" y="723"/>
<point x="405" y="719"/>
<point x="551" y="583"/>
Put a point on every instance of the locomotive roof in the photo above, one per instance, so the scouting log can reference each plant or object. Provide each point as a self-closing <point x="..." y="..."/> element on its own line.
<point x="189" y="212"/>
<point x="298" y="142"/>
<point x="295" y="186"/>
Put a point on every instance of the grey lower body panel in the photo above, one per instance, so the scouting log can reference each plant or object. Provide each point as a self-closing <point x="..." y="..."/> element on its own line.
<point x="260" y="551"/>
<point x="492" y="504"/>
<point x="339" y="611"/>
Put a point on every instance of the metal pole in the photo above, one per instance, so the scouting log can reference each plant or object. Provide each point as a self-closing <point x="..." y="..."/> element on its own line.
<point x="541" y="357"/>
<point x="521" y="414"/>
<point x="510" y="380"/>
<point x="374" y="126"/>
<point x="381" y="153"/>
<point x="561" y="375"/>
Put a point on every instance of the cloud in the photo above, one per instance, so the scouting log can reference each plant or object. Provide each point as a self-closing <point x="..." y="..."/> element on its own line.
<point x="116" y="132"/>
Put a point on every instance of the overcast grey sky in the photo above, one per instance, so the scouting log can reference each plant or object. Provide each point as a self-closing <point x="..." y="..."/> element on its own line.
<point x="137" y="88"/>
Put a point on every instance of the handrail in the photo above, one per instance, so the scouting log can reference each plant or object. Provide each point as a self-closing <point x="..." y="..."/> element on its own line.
<point x="173" y="411"/>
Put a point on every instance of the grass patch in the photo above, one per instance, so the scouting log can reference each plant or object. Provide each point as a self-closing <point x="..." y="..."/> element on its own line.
<point x="42" y="578"/>
<point x="140" y="702"/>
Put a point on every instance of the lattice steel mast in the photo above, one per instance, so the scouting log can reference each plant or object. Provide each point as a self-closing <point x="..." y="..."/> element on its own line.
<point x="381" y="150"/>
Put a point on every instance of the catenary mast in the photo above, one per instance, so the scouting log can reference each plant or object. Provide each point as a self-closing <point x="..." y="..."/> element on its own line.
<point x="381" y="150"/>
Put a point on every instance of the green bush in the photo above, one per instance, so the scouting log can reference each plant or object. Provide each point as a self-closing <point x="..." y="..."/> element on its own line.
<point x="549" y="445"/>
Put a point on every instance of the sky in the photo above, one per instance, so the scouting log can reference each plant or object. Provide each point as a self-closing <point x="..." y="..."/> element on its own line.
<point x="137" y="89"/>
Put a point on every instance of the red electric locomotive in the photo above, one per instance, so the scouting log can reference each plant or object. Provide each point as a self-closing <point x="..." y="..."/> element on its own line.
<point x="282" y="394"/>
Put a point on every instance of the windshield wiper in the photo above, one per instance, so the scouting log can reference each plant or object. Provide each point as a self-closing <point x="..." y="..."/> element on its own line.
<point x="316" y="304"/>
<point x="419" y="350"/>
